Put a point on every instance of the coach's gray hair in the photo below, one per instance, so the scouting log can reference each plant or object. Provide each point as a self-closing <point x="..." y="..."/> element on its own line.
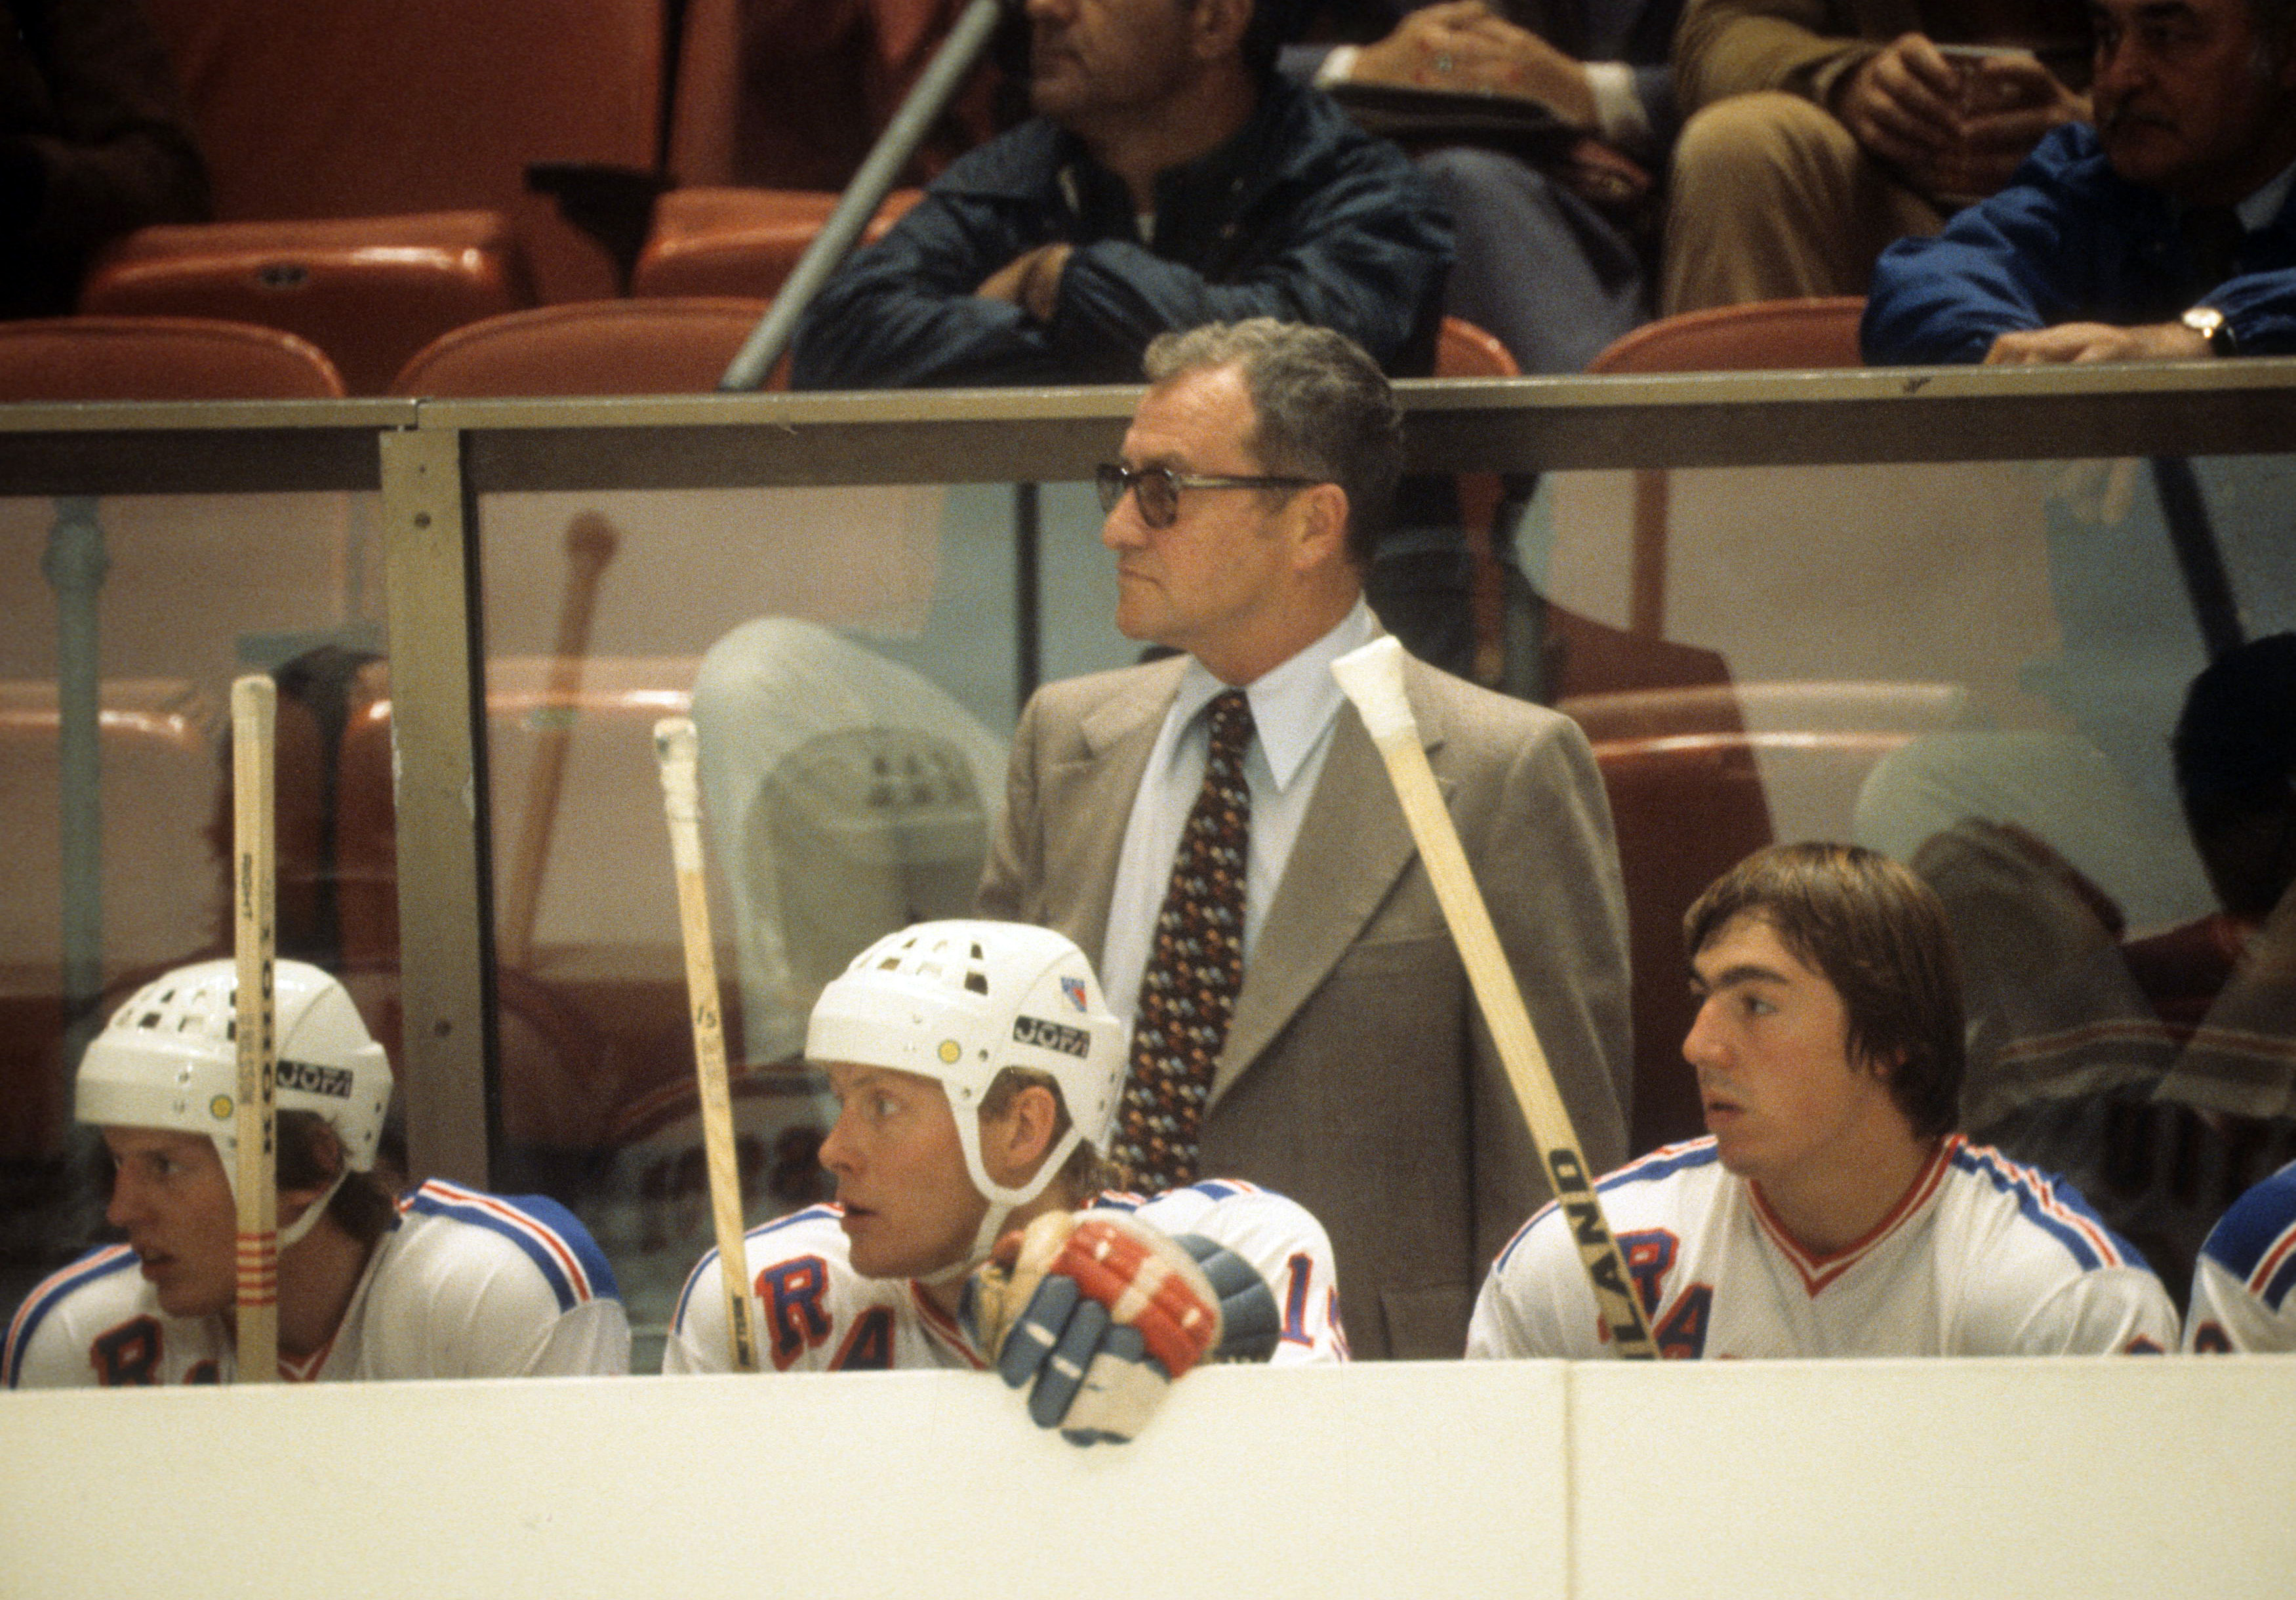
<point x="1322" y="408"/>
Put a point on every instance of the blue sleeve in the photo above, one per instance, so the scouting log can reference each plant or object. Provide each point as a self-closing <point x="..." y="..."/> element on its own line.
<point x="2049" y="248"/>
<point x="2261" y="307"/>
<point x="1364" y="253"/>
<point x="902" y="314"/>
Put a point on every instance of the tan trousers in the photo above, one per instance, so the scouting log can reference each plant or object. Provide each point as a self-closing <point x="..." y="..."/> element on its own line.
<point x="1770" y="199"/>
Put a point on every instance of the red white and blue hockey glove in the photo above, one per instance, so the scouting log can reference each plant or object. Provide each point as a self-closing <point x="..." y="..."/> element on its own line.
<point x="1102" y="1311"/>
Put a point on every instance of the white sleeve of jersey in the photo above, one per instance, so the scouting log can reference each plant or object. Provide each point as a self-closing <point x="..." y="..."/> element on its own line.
<point x="2107" y="1311"/>
<point x="2227" y="1314"/>
<point x="477" y="1285"/>
<point x="1535" y="1300"/>
<point x="1281" y="1240"/>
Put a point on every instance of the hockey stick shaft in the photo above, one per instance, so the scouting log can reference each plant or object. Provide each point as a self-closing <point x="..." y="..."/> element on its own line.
<point x="677" y="750"/>
<point x="254" y="723"/>
<point x="1373" y="678"/>
<point x="591" y="542"/>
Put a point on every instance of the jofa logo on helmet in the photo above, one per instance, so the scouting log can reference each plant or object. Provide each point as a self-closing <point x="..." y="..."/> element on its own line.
<point x="1052" y="1035"/>
<point x="311" y="1079"/>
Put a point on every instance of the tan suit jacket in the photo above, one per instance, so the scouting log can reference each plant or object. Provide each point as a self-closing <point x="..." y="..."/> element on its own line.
<point x="1358" y="1078"/>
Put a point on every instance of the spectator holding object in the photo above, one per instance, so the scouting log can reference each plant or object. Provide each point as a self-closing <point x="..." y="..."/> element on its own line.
<point x="1830" y="1210"/>
<point x="1818" y="131"/>
<point x="447" y="1282"/>
<point x="2163" y="233"/>
<point x="976" y="1069"/>
<point x="1555" y="224"/>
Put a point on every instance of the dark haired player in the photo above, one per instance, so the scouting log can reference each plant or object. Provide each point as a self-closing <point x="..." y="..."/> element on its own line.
<point x="1831" y="1211"/>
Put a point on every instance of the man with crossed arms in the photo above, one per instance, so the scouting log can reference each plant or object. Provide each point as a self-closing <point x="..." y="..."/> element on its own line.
<point x="1319" y="1037"/>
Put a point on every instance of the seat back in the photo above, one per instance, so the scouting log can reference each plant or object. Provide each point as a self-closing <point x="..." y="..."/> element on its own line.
<point x="1464" y="351"/>
<point x="742" y="242"/>
<point x="597" y="347"/>
<point x="380" y="108"/>
<point x="1782" y="335"/>
<point x="67" y="358"/>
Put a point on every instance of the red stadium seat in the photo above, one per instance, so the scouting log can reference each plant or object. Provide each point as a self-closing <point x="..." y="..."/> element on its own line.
<point x="66" y="358"/>
<point x="600" y="348"/>
<point x="369" y="160"/>
<point x="741" y="241"/>
<point x="370" y="291"/>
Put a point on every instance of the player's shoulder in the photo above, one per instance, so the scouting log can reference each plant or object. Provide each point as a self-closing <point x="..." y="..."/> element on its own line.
<point x="2004" y="1212"/>
<point x="444" y="1225"/>
<point x="1660" y="1185"/>
<point x="812" y="1232"/>
<point x="2255" y="1239"/>
<point x="100" y="1282"/>
<point x="1221" y="1203"/>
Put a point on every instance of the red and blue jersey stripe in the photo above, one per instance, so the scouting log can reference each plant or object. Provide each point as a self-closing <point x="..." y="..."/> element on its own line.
<point x="550" y="1235"/>
<point x="2050" y="1204"/>
<point x="52" y="1292"/>
<point x="2256" y="1240"/>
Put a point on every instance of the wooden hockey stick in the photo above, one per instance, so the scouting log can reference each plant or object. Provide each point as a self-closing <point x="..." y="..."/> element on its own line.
<point x="591" y="542"/>
<point x="254" y="722"/>
<point x="676" y="748"/>
<point x="1372" y="678"/>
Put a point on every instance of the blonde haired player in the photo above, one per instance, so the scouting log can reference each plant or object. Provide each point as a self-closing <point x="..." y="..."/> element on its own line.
<point x="446" y="1283"/>
<point x="1831" y="1211"/>
<point x="977" y="1070"/>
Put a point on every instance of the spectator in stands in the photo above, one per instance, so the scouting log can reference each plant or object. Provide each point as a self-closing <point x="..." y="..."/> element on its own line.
<point x="815" y="82"/>
<point x="1554" y="252"/>
<point x="1169" y="179"/>
<point x="2163" y="233"/>
<point x="94" y="143"/>
<point x="1833" y="1210"/>
<point x="1818" y="131"/>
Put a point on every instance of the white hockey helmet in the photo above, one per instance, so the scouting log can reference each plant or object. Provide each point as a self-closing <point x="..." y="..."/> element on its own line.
<point x="169" y="1059"/>
<point x="960" y="1001"/>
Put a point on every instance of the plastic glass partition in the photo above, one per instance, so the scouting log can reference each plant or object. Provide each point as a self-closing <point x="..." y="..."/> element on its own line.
<point x="1861" y="600"/>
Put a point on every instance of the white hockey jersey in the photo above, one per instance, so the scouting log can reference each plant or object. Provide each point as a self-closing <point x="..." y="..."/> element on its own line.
<point x="2242" y="1283"/>
<point x="466" y="1286"/>
<point x="1981" y="1257"/>
<point x="819" y="1315"/>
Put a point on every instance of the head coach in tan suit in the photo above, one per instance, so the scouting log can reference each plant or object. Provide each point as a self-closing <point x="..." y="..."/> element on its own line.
<point x="1239" y="868"/>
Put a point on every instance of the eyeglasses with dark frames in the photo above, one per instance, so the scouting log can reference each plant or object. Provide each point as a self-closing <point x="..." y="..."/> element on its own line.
<point x="1158" y="489"/>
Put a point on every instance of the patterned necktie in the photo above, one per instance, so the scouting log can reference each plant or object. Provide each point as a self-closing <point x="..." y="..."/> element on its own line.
<point x="1195" y="966"/>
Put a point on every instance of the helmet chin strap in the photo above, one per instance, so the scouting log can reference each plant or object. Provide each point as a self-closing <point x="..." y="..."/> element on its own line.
<point x="1002" y="1203"/>
<point x="317" y="1209"/>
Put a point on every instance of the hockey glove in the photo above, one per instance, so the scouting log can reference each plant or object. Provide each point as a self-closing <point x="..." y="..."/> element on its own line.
<point x="1102" y="1311"/>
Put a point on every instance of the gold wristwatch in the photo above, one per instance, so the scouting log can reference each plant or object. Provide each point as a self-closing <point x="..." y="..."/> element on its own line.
<point x="2209" y="323"/>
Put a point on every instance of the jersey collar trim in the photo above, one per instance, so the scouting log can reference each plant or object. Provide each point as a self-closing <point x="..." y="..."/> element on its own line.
<point x="1819" y="1271"/>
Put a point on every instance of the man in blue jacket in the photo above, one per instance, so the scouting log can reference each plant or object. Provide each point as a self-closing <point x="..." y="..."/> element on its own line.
<point x="2163" y="233"/>
<point x="1170" y="178"/>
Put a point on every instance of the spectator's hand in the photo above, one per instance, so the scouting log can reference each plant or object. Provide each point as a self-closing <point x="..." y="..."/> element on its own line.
<point x="1462" y="46"/>
<point x="1031" y="281"/>
<point x="1903" y="104"/>
<point x="2008" y="105"/>
<point x="2083" y="342"/>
